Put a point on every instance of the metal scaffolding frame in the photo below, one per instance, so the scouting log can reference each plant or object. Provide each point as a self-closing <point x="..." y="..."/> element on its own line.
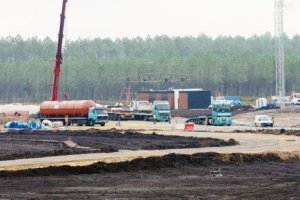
<point x="158" y="77"/>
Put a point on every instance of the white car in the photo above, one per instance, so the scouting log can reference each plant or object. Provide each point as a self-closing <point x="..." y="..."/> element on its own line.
<point x="263" y="120"/>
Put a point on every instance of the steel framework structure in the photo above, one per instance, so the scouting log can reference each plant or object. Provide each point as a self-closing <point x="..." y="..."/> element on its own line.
<point x="279" y="52"/>
<point x="153" y="78"/>
<point x="157" y="77"/>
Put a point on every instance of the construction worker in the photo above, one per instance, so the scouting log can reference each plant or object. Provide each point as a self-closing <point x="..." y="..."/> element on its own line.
<point x="119" y="121"/>
<point x="66" y="121"/>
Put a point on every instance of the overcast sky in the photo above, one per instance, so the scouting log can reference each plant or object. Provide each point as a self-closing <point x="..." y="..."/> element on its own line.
<point x="131" y="18"/>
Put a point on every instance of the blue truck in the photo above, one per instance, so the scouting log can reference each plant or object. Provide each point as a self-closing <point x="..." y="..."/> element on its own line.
<point x="102" y="115"/>
<point x="161" y="111"/>
<point x="220" y="115"/>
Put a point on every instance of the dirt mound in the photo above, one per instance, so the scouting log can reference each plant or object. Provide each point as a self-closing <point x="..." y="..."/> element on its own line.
<point x="31" y="144"/>
<point x="154" y="163"/>
<point x="270" y="131"/>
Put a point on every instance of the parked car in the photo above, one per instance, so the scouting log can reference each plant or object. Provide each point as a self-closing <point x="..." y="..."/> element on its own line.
<point x="263" y="121"/>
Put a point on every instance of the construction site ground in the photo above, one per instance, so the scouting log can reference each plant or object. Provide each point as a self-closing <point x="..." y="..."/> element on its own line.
<point x="265" y="164"/>
<point x="201" y="176"/>
<point x="17" y="144"/>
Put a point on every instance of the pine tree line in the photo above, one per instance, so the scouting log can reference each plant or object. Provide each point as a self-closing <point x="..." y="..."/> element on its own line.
<point x="92" y="68"/>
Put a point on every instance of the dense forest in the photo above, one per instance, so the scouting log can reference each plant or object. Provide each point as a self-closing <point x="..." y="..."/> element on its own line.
<point x="92" y="69"/>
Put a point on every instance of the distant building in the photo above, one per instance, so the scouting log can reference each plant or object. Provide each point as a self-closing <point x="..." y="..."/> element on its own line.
<point x="179" y="99"/>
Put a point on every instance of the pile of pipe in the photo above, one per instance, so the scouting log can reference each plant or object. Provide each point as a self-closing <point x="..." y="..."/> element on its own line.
<point x="24" y="125"/>
<point x="48" y="124"/>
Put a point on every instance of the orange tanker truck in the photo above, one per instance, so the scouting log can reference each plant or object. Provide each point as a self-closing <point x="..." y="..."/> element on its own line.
<point x="81" y="112"/>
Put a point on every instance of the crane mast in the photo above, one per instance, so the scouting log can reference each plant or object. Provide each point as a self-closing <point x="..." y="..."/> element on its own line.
<point x="58" y="58"/>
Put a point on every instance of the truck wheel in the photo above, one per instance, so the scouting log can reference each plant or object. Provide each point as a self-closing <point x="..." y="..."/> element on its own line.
<point x="91" y="123"/>
<point x="102" y="124"/>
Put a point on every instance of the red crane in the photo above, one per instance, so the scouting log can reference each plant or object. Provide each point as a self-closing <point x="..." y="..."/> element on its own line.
<point x="59" y="59"/>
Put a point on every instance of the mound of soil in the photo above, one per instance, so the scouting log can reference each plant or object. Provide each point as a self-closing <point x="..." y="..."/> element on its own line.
<point x="31" y="144"/>
<point x="199" y="176"/>
<point x="283" y="131"/>
<point x="271" y="131"/>
<point x="154" y="163"/>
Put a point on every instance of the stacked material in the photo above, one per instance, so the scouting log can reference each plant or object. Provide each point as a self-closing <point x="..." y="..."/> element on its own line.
<point x="48" y="124"/>
<point x="24" y="125"/>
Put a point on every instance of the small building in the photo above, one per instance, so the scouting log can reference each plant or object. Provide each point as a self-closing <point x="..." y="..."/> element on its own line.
<point x="179" y="99"/>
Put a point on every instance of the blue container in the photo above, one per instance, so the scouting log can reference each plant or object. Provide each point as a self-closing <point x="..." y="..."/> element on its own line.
<point x="35" y="125"/>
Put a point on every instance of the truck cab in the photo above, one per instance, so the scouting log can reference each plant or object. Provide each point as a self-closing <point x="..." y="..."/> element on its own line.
<point x="161" y="111"/>
<point x="102" y="115"/>
<point x="221" y="113"/>
<point x="92" y="117"/>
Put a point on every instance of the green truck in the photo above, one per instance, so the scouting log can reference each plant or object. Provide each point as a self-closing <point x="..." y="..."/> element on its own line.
<point x="220" y="115"/>
<point x="161" y="111"/>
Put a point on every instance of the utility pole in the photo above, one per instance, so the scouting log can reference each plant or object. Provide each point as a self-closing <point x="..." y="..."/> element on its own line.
<point x="279" y="52"/>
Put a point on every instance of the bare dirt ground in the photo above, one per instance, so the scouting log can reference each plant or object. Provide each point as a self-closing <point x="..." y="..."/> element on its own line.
<point x="282" y="119"/>
<point x="16" y="144"/>
<point x="198" y="176"/>
<point x="243" y="171"/>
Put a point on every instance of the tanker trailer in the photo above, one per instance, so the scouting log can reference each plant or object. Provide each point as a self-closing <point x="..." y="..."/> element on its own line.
<point x="78" y="112"/>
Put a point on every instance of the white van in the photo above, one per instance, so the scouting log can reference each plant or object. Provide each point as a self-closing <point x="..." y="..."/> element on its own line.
<point x="263" y="120"/>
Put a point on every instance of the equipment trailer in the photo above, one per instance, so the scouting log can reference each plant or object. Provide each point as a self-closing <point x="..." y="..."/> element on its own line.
<point x="141" y="110"/>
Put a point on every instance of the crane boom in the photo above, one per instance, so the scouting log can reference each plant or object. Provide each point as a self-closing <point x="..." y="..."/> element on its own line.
<point x="58" y="58"/>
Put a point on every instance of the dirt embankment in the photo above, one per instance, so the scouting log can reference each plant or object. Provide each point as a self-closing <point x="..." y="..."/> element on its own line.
<point x="154" y="163"/>
<point x="198" y="176"/>
<point x="31" y="144"/>
<point x="270" y="131"/>
<point x="201" y="176"/>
